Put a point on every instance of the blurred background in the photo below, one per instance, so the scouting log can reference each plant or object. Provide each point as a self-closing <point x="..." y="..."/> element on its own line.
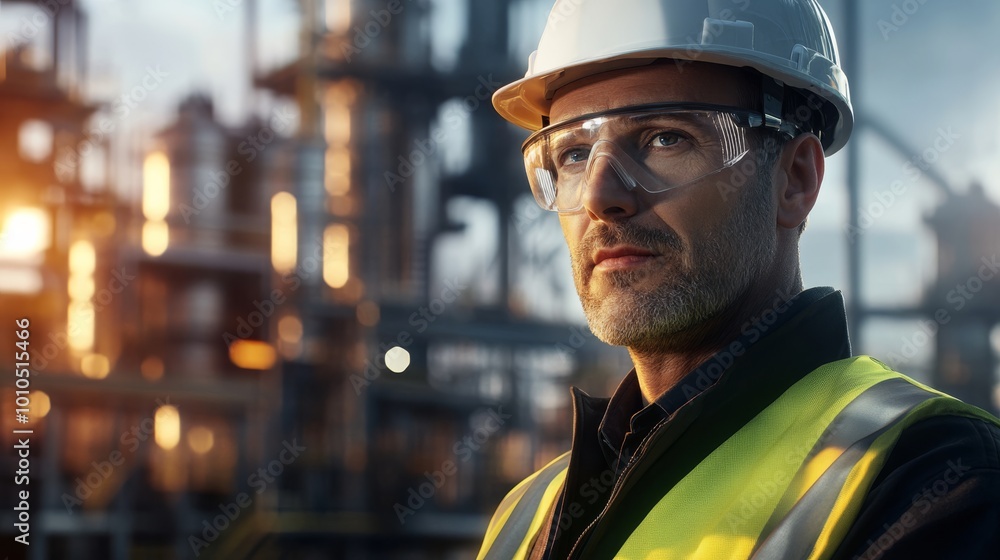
<point x="289" y="295"/>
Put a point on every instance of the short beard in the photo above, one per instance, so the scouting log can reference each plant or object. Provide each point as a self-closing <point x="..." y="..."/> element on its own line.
<point x="727" y="264"/>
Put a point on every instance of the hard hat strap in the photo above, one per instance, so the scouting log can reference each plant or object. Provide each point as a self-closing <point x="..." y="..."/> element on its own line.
<point x="773" y="95"/>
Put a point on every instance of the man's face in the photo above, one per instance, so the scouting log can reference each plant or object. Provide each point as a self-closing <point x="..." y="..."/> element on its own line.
<point x="648" y="266"/>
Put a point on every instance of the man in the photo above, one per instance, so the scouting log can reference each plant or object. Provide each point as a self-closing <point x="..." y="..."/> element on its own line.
<point x="682" y="143"/>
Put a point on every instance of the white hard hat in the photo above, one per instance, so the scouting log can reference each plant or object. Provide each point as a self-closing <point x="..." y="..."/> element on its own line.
<point x="791" y="41"/>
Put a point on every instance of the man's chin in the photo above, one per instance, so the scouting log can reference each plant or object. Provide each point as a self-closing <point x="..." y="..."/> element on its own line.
<point x="627" y="318"/>
<point x="623" y="285"/>
<point x="618" y="320"/>
<point x="629" y="334"/>
<point x="607" y="330"/>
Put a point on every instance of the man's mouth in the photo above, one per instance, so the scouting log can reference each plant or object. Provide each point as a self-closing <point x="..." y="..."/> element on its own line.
<point x="622" y="257"/>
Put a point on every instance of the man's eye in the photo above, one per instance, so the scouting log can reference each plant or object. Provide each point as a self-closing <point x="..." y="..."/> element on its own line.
<point x="577" y="155"/>
<point x="666" y="139"/>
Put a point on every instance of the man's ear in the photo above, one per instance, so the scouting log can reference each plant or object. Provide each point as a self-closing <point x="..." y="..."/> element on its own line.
<point x="799" y="176"/>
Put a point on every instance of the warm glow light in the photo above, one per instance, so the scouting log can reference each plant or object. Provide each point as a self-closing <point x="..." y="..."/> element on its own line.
<point x="290" y="333"/>
<point x="339" y="159"/>
<point x="337" y="132"/>
<point x="20" y="280"/>
<point x="155" y="238"/>
<point x="284" y="232"/>
<point x="26" y="233"/>
<point x="290" y="329"/>
<point x="338" y="15"/>
<point x="336" y="255"/>
<point x="397" y="359"/>
<point x="82" y="258"/>
<point x="156" y="186"/>
<point x="80" y="288"/>
<point x="338" y="119"/>
<point x="95" y="366"/>
<point x="252" y="354"/>
<point x="167" y="427"/>
<point x="201" y="440"/>
<point x="40" y="404"/>
<point x="80" y="316"/>
<point x="80" y="325"/>
<point x="152" y="368"/>
<point x="343" y="92"/>
<point x="338" y="171"/>
<point x="35" y="140"/>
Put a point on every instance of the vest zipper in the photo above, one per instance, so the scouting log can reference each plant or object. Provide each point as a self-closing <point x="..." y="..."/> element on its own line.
<point x="634" y="460"/>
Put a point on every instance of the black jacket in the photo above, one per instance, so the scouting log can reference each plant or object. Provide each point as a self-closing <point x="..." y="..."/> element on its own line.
<point x="938" y="495"/>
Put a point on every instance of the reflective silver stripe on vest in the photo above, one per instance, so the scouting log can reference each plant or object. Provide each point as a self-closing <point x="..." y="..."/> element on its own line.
<point x="869" y="415"/>
<point x="512" y="534"/>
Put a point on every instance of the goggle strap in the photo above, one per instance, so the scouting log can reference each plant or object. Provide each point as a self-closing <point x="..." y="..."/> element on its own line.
<point x="774" y="99"/>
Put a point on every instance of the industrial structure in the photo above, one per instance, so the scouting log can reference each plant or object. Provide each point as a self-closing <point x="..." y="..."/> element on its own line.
<point x="962" y="308"/>
<point x="399" y="362"/>
<point x="271" y="302"/>
<point x="281" y="350"/>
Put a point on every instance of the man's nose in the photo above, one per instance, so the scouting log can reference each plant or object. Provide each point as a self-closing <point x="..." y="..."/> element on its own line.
<point x="609" y="192"/>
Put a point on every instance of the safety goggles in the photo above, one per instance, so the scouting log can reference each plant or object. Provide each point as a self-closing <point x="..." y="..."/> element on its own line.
<point x="657" y="147"/>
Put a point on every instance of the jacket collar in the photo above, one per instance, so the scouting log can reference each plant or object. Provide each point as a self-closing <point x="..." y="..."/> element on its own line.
<point x="626" y="414"/>
<point x="804" y="332"/>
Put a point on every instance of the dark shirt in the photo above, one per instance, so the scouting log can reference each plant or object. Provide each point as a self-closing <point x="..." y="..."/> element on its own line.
<point x="938" y="495"/>
<point x="626" y="422"/>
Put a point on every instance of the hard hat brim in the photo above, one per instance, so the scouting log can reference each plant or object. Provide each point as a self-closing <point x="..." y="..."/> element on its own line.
<point x="526" y="101"/>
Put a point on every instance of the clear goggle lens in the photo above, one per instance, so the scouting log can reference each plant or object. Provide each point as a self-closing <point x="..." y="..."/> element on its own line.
<point x="655" y="147"/>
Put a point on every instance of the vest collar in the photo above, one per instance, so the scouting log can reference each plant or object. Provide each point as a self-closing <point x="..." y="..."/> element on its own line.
<point x="715" y="402"/>
<point x="626" y="419"/>
<point x="813" y="332"/>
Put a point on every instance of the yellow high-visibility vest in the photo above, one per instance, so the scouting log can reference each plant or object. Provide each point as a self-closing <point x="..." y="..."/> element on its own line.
<point x="788" y="484"/>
